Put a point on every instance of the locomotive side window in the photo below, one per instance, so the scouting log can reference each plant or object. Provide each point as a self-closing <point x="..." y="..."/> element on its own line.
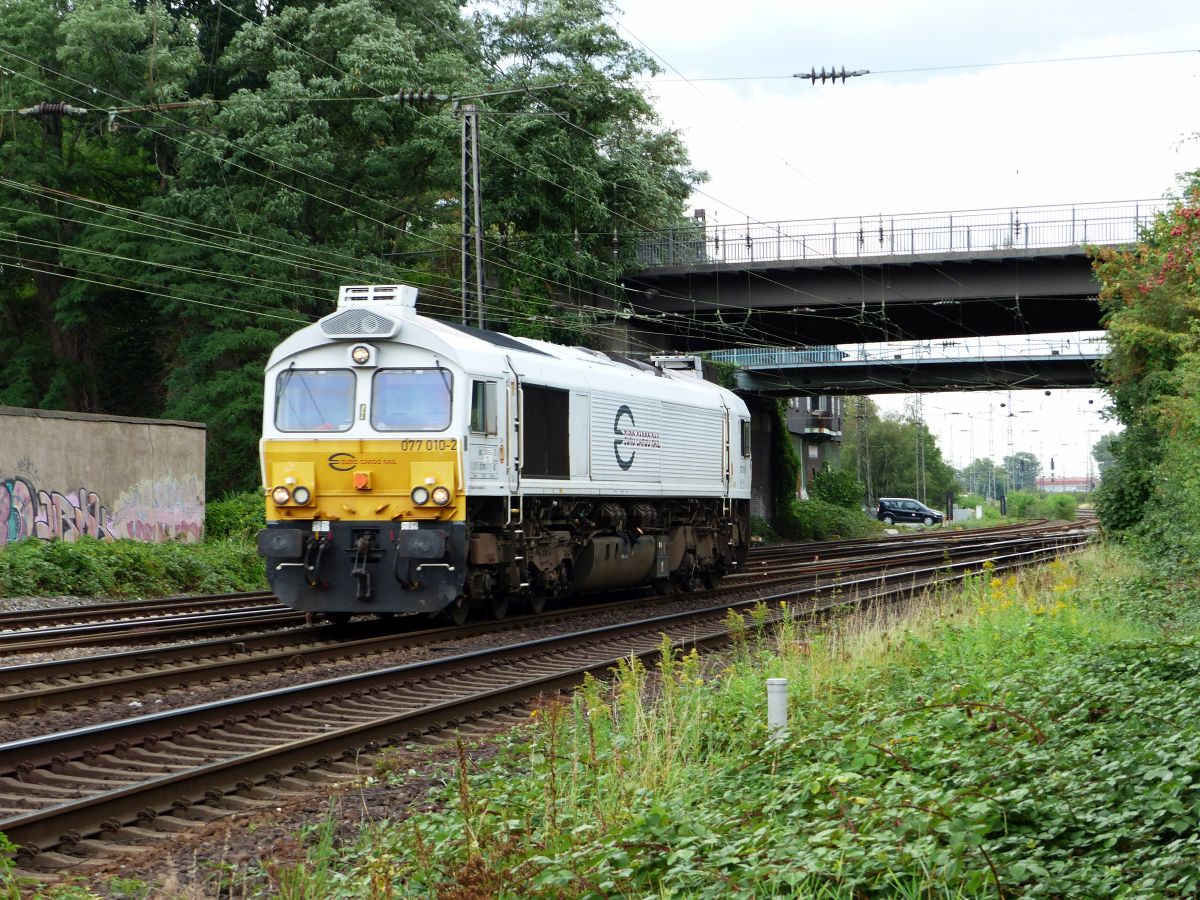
<point x="745" y="438"/>
<point x="483" y="407"/>
<point x="411" y="399"/>
<point x="314" y="400"/>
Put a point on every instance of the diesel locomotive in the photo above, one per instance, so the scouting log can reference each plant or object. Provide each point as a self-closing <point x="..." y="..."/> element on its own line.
<point x="412" y="465"/>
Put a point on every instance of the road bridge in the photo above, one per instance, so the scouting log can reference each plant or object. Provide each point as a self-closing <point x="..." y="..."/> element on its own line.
<point x="875" y="278"/>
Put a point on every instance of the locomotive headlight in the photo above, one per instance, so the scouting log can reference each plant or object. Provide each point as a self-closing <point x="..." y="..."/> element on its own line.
<point x="281" y="495"/>
<point x="441" y="495"/>
<point x="420" y="495"/>
<point x="361" y="354"/>
<point x="301" y="495"/>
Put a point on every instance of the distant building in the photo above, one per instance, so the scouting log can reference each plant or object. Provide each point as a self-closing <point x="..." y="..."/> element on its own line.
<point x="1066" y="485"/>
<point x="815" y="426"/>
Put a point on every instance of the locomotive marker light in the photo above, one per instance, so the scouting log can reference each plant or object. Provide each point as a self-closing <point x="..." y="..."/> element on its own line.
<point x="301" y="496"/>
<point x="281" y="495"/>
<point x="441" y="495"/>
<point x="420" y="495"/>
<point x="361" y="354"/>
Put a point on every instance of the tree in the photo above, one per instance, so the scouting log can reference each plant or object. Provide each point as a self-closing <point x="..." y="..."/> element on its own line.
<point x="1103" y="453"/>
<point x="150" y="269"/>
<point x="888" y="447"/>
<point x="1021" y="471"/>
<point x="1150" y="294"/>
<point x="982" y="476"/>
<point x="66" y="326"/>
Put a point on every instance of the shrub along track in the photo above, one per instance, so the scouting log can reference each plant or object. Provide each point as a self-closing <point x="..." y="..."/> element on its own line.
<point x="147" y="777"/>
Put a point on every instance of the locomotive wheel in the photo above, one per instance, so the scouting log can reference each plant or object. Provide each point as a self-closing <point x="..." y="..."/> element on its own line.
<point x="537" y="604"/>
<point x="458" y="612"/>
<point x="498" y="606"/>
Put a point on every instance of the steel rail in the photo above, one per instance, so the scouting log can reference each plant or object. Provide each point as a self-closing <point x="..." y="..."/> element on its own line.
<point x="16" y="620"/>
<point x="123" y="629"/>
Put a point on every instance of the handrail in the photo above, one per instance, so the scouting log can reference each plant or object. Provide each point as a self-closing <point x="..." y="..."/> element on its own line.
<point x="960" y="232"/>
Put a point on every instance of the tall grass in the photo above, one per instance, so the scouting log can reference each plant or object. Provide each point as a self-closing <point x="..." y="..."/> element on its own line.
<point x="945" y="753"/>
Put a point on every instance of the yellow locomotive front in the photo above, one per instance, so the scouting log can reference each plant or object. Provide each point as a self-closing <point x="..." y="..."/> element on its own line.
<point x="362" y="467"/>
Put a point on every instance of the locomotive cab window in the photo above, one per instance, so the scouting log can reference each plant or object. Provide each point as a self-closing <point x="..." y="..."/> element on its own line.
<point x="745" y="438"/>
<point x="483" y="407"/>
<point x="411" y="399"/>
<point x="314" y="400"/>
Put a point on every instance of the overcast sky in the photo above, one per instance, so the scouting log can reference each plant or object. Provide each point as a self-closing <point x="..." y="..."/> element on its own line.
<point x="941" y="139"/>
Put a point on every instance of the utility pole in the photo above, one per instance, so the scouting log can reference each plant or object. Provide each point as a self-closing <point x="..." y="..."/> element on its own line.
<point x="471" y="197"/>
<point x="472" y="214"/>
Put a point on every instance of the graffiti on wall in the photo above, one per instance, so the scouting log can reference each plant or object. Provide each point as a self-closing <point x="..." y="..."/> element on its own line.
<point x="160" y="510"/>
<point x="150" y="511"/>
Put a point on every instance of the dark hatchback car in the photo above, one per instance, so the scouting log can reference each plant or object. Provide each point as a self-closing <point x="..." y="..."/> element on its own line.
<point x="905" y="509"/>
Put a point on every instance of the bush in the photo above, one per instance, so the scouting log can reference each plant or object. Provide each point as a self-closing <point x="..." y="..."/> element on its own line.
<point x="126" y="568"/>
<point x="234" y="516"/>
<point x="1025" y="505"/>
<point x="816" y="520"/>
<point x="840" y="488"/>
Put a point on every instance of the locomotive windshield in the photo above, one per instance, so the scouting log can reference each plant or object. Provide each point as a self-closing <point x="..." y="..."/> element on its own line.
<point x="315" y="400"/>
<point x="411" y="400"/>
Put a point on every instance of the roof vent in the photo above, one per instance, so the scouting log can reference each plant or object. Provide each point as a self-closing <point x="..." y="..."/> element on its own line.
<point x="359" y="324"/>
<point x="692" y="366"/>
<point x="392" y="294"/>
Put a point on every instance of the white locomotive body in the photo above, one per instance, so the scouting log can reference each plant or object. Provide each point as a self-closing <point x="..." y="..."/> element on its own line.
<point x="441" y="466"/>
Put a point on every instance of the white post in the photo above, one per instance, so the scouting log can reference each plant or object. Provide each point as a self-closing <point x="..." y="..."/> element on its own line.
<point x="776" y="706"/>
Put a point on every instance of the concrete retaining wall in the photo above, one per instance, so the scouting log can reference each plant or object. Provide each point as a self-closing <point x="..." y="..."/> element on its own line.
<point x="63" y="475"/>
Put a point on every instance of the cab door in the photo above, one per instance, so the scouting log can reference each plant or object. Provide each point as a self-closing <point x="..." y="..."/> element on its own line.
<point x="484" y="465"/>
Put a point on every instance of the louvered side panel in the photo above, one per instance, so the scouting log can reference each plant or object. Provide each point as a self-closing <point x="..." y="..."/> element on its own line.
<point x="692" y="451"/>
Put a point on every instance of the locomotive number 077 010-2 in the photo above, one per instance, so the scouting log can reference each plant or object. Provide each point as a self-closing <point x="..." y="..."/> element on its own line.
<point x="409" y="446"/>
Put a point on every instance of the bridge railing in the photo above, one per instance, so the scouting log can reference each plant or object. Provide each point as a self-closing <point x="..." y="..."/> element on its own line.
<point x="1083" y="344"/>
<point x="965" y="231"/>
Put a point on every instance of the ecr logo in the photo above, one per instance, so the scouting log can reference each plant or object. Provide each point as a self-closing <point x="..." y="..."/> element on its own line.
<point x="623" y="411"/>
<point x="631" y="438"/>
<point x="342" y="462"/>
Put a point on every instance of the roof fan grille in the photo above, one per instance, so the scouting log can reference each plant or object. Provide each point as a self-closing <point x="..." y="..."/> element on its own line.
<point x="359" y="323"/>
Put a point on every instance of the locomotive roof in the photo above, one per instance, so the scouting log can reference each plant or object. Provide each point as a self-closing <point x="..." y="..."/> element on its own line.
<point x="396" y="320"/>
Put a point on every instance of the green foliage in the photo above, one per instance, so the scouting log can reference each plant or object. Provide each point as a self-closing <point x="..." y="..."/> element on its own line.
<point x="126" y="568"/>
<point x="235" y="517"/>
<point x="889" y="444"/>
<point x="761" y="528"/>
<point x="785" y="474"/>
<point x="817" y="520"/>
<point x="152" y="268"/>
<point x="840" y="487"/>
<point x="1021" y="471"/>
<point x="1150" y="293"/>
<point x="1022" y="739"/>
<point x="1024" y="505"/>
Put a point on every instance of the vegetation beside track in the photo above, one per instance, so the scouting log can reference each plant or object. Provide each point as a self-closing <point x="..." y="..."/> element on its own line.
<point x="224" y="561"/>
<point x="1033" y="734"/>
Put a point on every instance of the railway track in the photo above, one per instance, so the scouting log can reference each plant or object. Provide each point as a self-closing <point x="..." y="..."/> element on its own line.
<point x="153" y="621"/>
<point x="136" y="778"/>
<point x="38" y="688"/>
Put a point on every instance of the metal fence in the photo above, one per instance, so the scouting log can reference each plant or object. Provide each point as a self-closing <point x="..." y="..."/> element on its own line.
<point x="931" y="233"/>
<point x="777" y="356"/>
<point x="1084" y="344"/>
